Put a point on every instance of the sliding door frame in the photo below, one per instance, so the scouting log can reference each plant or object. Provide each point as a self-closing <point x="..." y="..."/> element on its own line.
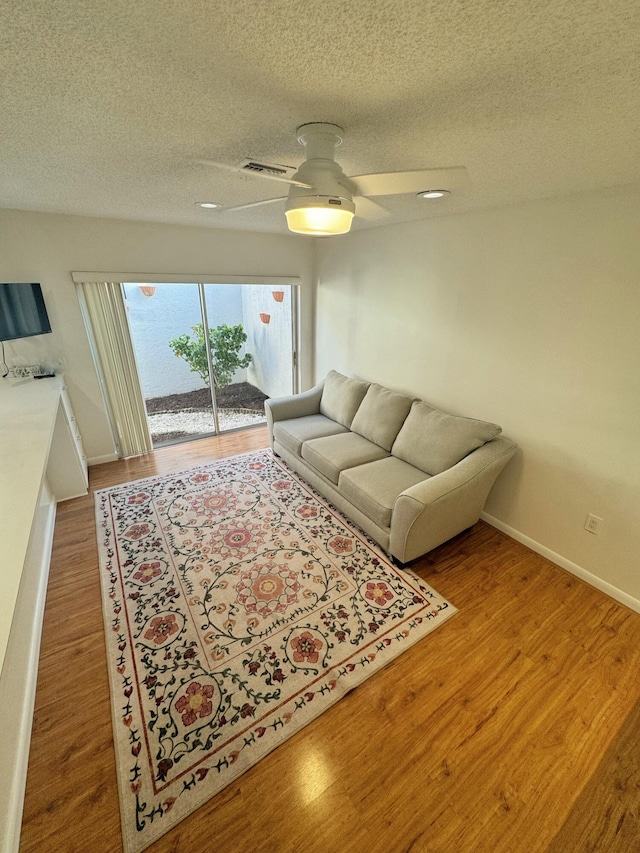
<point x="294" y="282"/>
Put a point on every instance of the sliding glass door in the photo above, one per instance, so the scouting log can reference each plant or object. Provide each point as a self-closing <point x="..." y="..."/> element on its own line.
<point x="209" y="355"/>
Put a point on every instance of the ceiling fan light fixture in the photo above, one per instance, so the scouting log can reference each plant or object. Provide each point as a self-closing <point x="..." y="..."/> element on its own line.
<point x="319" y="215"/>
<point x="433" y="193"/>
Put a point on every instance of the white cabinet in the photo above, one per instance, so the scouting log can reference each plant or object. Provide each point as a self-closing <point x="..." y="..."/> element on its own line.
<point x="67" y="466"/>
<point x="41" y="462"/>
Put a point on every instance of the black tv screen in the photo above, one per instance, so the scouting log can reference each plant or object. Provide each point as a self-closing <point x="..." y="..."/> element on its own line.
<point x="22" y="311"/>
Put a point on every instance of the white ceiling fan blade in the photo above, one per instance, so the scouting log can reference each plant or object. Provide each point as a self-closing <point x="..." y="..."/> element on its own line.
<point x="367" y="209"/>
<point x="253" y="204"/>
<point x="396" y="183"/>
<point x="243" y="171"/>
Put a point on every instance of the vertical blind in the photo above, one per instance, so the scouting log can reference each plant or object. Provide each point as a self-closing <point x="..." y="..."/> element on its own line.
<point x="106" y="314"/>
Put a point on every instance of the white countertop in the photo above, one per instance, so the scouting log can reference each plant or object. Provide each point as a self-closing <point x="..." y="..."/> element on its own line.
<point x="28" y="410"/>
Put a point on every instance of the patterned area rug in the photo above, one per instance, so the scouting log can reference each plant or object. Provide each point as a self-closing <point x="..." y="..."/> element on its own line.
<point x="238" y="607"/>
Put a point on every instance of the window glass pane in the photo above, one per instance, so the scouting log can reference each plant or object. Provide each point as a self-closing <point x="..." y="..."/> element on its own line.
<point x="250" y="328"/>
<point x="176" y="393"/>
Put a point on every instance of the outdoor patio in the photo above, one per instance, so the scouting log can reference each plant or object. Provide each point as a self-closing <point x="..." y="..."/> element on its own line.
<point x="189" y="415"/>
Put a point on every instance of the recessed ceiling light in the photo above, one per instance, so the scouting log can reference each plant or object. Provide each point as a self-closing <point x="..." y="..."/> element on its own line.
<point x="433" y="193"/>
<point x="207" y="204"/>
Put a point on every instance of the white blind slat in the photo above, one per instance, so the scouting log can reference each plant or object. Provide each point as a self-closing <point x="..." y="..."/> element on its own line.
<point x="107" y="315"/>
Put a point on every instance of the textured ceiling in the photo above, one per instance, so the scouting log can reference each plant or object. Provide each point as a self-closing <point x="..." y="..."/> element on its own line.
<point x="105" y="105"/>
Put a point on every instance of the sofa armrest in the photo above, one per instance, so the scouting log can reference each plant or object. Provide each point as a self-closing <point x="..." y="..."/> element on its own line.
<point x="293" y="406"/>
<point x="436" y="509"/>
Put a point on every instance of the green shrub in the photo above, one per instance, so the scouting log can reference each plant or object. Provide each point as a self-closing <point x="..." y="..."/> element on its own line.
<point x="226" y="342"/>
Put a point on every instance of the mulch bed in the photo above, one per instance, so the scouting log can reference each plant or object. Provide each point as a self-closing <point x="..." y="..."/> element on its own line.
<point x="241" y="395"/>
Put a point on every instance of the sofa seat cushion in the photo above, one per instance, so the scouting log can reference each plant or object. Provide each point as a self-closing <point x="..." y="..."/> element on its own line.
<point x="341" y="397"/>
<point x="333" y="453"/>
<point x="374" y="487"/>
<point x="381" y="414"/>
<point x="294" y="432"/>
<point x="435" y="441"/>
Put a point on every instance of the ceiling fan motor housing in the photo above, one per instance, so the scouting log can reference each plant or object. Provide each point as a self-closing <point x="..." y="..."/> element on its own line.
<point x="320" y="170"/>
<point x="325" y="176"/>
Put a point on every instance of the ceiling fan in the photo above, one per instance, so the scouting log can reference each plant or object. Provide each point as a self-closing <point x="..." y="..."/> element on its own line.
<point x="322" y="200"/>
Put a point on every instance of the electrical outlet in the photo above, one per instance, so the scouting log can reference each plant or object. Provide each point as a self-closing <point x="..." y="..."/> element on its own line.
<point x="593" y="523"/>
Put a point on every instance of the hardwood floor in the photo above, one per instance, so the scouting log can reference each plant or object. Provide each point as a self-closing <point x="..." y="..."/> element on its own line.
<point x="513" y="728"/>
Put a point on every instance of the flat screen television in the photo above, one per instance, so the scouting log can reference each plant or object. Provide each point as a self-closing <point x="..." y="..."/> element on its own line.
<point x="22" y="311"/>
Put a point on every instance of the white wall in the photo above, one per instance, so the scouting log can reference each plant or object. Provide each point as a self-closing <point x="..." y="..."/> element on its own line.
<point x="48" y="247"/>
<point x="270" y="343"/>
<point x="528" y="316"/>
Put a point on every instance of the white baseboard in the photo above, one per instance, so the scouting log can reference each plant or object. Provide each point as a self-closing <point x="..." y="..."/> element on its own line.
<point x="559" y="560"/>
<point x="100" y="460"/>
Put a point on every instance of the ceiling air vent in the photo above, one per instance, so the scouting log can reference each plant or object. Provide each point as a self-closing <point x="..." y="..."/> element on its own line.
<point x="267" y="168"/>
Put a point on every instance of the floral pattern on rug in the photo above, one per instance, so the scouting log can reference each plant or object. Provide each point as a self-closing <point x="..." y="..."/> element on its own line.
<point x="239" y="605"/>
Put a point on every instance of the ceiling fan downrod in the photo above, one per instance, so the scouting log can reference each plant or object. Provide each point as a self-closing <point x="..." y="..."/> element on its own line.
<point x="320" y="139"/>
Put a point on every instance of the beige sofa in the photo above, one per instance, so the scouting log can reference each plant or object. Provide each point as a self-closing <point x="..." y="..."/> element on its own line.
<point x="409" y="475"/>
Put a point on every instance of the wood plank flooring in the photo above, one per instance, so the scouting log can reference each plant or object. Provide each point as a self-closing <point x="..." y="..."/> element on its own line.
<point x="513" y="728"/>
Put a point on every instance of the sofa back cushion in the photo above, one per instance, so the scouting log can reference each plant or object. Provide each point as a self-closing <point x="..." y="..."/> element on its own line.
<point x="381" y="414"/>
<point x="435" y="441"/>
<point x="341" y="397"/>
